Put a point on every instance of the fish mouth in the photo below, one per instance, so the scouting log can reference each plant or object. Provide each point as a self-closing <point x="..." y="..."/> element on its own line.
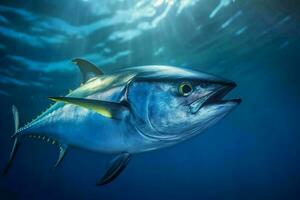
<point x="215" y="98"/>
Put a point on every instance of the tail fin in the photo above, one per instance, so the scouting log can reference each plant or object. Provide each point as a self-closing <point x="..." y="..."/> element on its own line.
<point x="16" y="118"/>
<point x="16" y="141"/>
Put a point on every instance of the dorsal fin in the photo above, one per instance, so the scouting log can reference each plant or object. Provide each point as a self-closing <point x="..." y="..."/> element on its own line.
<point x="87" y="69"/>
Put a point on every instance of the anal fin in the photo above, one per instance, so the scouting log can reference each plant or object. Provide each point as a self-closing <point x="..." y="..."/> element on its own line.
<point x="115" y="168"/>
<point x="62" y="152"/>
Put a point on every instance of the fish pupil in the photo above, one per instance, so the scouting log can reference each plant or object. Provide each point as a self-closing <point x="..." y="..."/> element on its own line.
<point x="186" y="89"/>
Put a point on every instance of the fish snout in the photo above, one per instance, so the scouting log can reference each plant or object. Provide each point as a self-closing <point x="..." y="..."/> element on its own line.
<point x="214" y="96"/>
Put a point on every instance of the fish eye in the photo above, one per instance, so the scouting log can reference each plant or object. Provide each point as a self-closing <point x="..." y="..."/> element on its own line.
<point x="185" y="89"/>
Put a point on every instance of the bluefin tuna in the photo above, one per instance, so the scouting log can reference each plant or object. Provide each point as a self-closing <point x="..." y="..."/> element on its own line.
<point x="129" y="111"/>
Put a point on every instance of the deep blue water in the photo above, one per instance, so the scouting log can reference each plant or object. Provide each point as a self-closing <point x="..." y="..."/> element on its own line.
<point x="252" y="154"/>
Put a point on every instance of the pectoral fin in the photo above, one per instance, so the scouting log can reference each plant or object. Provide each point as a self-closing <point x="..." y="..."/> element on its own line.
<point x="87" y="69"/>
<point x="116" y="166"/>
<point x="104" y="108"/>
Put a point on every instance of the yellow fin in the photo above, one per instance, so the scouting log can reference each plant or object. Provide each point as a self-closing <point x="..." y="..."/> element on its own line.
<point x="104" y="108"/>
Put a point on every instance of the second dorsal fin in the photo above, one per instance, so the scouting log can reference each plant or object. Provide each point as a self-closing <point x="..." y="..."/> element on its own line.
<point x="87" y="69"/>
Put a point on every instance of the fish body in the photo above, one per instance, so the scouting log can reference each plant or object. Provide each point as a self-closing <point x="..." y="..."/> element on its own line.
<point x="131" y="111"/>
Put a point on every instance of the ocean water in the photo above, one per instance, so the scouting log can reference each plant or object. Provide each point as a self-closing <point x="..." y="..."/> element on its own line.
<point x="252" y="154"/>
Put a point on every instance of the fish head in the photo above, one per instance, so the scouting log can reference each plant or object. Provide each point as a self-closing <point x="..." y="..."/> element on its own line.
<point x="175" y="104"/>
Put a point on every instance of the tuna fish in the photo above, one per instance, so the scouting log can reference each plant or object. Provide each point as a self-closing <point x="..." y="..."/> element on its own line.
<point x="129" y="111"/>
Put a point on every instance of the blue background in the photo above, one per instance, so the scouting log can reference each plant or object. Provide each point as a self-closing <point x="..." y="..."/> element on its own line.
<point x="252" y="154"/>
